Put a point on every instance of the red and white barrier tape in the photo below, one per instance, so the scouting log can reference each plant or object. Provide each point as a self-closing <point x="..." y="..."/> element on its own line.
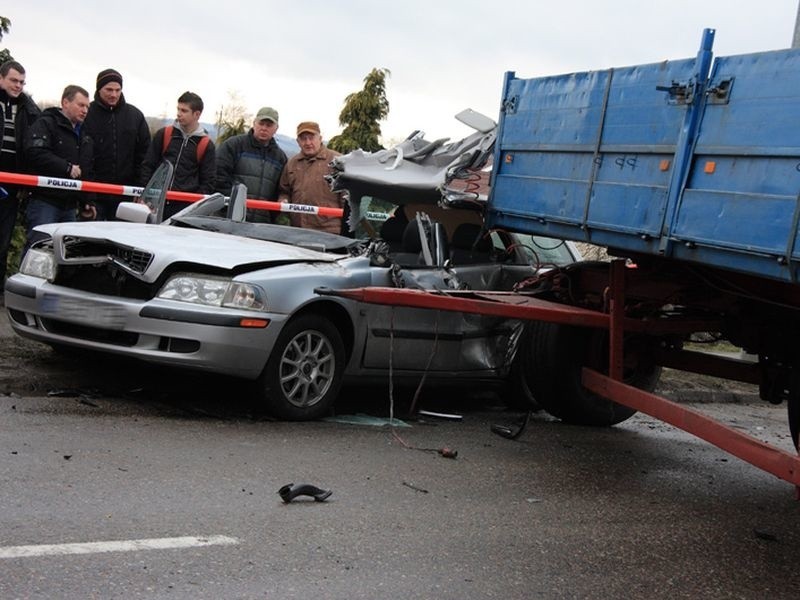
<point x="77" y="185"/>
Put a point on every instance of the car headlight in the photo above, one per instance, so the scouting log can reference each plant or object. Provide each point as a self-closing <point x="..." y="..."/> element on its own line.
<point x="39" y="263"/>
<point x="213" y="291"/>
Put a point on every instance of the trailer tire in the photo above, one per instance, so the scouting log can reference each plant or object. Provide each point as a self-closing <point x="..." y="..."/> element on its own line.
<point x="559" y="352"/>
<point x="518" y="391"/>
<point x="793" y="412"/>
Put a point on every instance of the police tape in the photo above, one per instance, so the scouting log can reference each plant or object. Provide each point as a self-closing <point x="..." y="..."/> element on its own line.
<point x="76" y="185"/>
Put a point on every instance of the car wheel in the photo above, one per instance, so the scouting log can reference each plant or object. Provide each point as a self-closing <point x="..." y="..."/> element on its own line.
<point x="304" y="372"/>
<point x="559" y="353"/>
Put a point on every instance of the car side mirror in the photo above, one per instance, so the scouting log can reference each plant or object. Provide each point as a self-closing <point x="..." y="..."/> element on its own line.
<point x="133" y="212"/>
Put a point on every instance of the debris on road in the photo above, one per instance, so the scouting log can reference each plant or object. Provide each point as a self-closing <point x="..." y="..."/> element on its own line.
<point x="512" y="433"/>
<point x="438" y="415"/>
<point x="415" y="488"/>
<point x="291" y="491"/>
<point x="361" y="419"/>
<point x="444" y="452"/>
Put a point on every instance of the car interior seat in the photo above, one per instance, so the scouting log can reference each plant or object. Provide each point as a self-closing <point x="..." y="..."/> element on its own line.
<point x="435" y="241"/>
<point x="392" y="231"/>
<point x="412" y="243"/>
<point x="469" y="245"/>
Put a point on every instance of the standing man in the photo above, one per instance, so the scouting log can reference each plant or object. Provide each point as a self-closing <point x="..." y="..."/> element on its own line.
<point x="303" y="180"/>
<point x="187" y="146"/>
<point x="19" y="111"/>
<point x="254" y="159"/>
<point x="57" y="146"/>
<point x="120" y="136"/>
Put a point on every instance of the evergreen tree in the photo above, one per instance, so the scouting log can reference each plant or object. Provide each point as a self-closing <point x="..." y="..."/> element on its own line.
<point x="361" y="113"/>
<point x="5" y="25"/>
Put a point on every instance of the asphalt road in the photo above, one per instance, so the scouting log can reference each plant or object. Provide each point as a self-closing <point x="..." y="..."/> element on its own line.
<point x="638" y="510"/>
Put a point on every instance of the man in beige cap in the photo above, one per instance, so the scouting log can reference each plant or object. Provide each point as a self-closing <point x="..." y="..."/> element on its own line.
<point x="303" y="180"/>
<point x="254" y="159"/>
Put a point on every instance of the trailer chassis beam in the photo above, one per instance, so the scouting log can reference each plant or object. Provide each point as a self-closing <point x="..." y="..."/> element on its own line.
<point x="773" y="460"/>
<point x="516" y="305"/>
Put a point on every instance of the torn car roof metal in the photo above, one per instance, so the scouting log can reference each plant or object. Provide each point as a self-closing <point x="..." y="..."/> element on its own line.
<point x="416" y="170"/>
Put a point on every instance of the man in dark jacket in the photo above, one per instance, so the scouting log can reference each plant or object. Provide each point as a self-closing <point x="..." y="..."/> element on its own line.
<point x="190" y="150"/>
<point x="120" y="136"/>
<point x="57" y="147"/>
<point x="19" y="111"/>
<point x="254" y="159"/>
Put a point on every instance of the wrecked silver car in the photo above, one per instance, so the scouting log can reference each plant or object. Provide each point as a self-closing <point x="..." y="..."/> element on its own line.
<point x="208" y="290"/>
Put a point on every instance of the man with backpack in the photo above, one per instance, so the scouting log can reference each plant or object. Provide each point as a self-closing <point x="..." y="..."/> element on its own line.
<point x="190" y="150"/>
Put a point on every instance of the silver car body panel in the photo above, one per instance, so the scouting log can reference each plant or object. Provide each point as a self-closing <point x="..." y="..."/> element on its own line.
<point x="104" y="296"/>
<point x="184" y="245"/>
<point x="180" y="334"/>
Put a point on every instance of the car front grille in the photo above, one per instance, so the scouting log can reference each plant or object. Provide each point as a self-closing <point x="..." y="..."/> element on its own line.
<point x="113" y="273"/>
<point x="133" y="259"/>
<point x="106" y="279"/>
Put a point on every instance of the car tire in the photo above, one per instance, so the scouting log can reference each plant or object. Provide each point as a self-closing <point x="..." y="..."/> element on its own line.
<point x="304" y="372"/>
<point x="559" y="353"/>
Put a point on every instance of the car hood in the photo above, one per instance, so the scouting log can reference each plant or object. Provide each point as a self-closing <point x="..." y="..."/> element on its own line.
<point x="147" y="249"/>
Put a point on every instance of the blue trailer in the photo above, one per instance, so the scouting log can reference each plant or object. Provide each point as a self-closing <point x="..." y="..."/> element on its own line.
<point x="690" y="170"/>
<point x="686" y="170"/>
<point x="695" y="160"/>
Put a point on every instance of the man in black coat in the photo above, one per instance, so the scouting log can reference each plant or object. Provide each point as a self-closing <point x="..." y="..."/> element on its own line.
<point x="120" y="136"/>
<point x="19" y="111"/>
<point x="58" y="147"/>
<point x="254" y="159"/>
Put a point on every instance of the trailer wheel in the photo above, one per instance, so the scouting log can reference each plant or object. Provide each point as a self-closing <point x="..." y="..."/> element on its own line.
<point x="518" y="392"/>
<point x="559" y="352"/>
<point x="793" y="409"/>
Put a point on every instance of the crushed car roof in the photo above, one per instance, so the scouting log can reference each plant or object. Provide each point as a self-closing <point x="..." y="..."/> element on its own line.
<point x="415" y="171"/>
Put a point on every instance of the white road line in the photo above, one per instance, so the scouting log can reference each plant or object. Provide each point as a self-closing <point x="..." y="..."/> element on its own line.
<point x="119" y="546"/>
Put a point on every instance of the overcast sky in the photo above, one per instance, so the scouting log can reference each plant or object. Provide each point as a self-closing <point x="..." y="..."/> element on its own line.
<point x="304" y="56"/>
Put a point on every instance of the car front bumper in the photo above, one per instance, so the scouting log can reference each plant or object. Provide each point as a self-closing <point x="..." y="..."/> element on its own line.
<point x="158" y="331"/>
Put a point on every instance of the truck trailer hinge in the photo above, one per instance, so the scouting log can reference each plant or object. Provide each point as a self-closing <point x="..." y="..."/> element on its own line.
<point x="720" y="93"/>
<point x="679" y="93"/>
<point x="510" y="105"/>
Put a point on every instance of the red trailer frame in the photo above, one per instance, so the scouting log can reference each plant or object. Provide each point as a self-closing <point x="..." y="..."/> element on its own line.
<point x="519" y="305"/>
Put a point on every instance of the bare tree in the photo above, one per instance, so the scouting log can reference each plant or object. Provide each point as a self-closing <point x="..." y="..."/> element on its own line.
<point x="232" y="118"/>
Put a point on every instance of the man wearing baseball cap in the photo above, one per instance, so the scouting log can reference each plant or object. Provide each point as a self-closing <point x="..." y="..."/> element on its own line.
<point x="254" y="159"/>
<point x="303" y="180"/>
<point x="121" y="138"/>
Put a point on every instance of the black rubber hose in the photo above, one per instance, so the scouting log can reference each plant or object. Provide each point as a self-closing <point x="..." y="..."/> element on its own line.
<point x="291" y="491"/>
<point x="508" y="432"/>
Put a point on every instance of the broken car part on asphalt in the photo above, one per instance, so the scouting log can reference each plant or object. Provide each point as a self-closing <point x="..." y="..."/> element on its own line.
<point x="291" y="491"/>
